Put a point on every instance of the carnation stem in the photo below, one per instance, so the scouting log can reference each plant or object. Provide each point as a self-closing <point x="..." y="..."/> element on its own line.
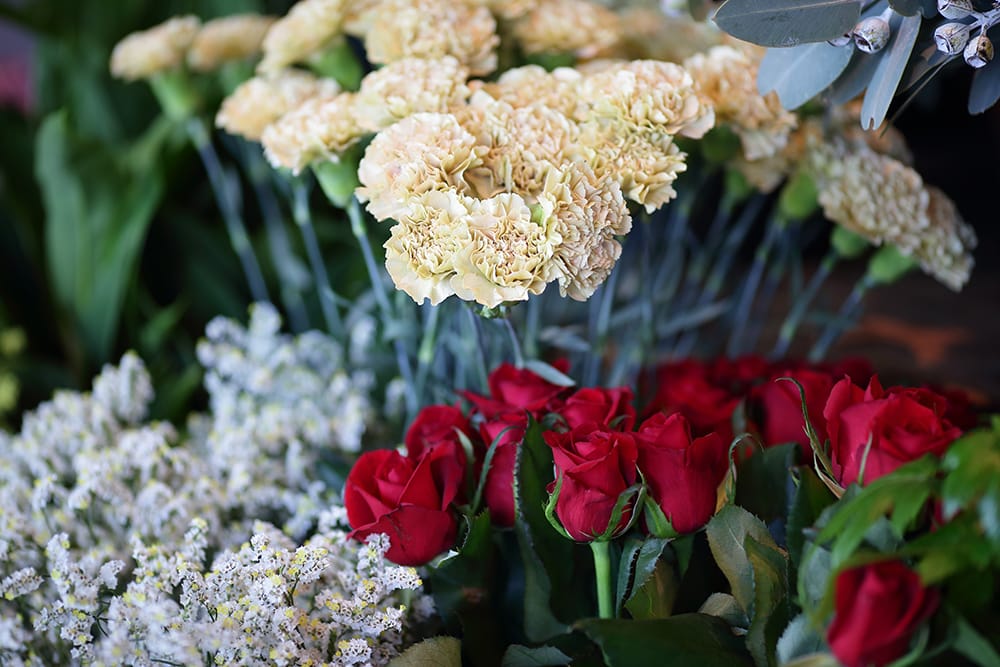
<point x="382" y="299"/>
<point x="770" y="287"/>
<point x="602" y="577"/>
<point x="844" y="316"/>
<point x="428" y="343"/>
<point x="798" y="310"/>
<point x="225" y="196"/>
<point x="741" y="316"/>
<point x="327" y="297"/>
<point x="515" y="344"/>
<point x="531" y="324"/>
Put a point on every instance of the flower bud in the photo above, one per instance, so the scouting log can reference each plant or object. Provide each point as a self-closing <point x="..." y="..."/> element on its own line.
<point x="843" y="40"/>
<point x="979" y="51"/>
<point x="871" y="34"/>
<point x="955" y="9"/>
<point x="951" y="38"/>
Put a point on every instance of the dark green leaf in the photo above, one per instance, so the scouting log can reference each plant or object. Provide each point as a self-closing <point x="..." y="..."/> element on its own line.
<point x="655" y="597"/>
<point x="889" y="72"/>
<point x="725" y="606"/>
<point x="727" y="533"/>
<point x="974" y="646"/>
<point x="800" y="73"/>
<point x="798" y="640"/>
<point x="811" y="498"/>
<point x="787" y="22"/>
<point x="543" y="656"/>
<point x="770" y="610"/>
<point x="636" y="565"/>
<point x="678" y="641"/>
<point x="463" y="577"/>
<point x="762" y="481"/>
<point x="433" y="652"/>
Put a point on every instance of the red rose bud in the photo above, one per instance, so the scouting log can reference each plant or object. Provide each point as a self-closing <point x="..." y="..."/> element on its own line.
<point x="499" y="490"/>
<point x="515" y="390"/>
<point x="687" y="387"/>
<point x="406" y="499"/>
<point x="682" y="475"/>
<point x="611" y="408"/>
<point x="434" y="424"/>
<point x="877" y="430"/>
<point x="594" y="468"/>
<point x="879" y="607"/>
<point x="776" y="407"/>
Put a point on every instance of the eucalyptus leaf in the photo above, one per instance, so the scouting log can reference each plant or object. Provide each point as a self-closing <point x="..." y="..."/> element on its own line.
<point x="906" y="7"/>
<point x="985" y="89"/>
<point x="787" y="22"/>
<point x="800" y="73"/>
<point x="855" y="77"/>
<point x="889" y="72"/>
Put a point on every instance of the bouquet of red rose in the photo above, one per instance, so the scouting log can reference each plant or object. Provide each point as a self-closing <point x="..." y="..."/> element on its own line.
<point x="746" y="513"/>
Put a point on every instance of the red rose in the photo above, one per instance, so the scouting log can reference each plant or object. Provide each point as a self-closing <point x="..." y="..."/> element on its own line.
<point x="596" y="466"/>
<point x="902" y="425"/>
<point x="687" y="387"/>
<point x="776" y="406"/>
<point x="878" y="609"/>
<point x="407" y="499"/>
<point x="434" y="424"/>
<point x="499" y="490"/>
<point x="682" y="475"/>
<point x="517" y="389"/>
<point x="738" y="375"/>
<point x="600" y="406"/>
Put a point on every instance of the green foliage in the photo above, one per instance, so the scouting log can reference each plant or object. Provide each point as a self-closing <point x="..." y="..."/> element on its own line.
<point x="886" y="77"/>
<point x="678" y="641"/>
<point x="433" y="652"/>
<point x="727" y="534"/>
<point x="787" y="22"/>
<point x="543" y="656"/>
<point x="800" y="73"/>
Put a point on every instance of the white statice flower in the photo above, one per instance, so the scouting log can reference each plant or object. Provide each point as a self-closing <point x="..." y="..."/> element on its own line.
<point x="148" y="52"/>
<point x="261" y="100"/>
<point x="226" y="39"/>
<point x="408" y="86"/>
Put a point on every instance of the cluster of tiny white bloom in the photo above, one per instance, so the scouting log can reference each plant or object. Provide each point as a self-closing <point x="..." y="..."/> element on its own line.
<point x="120" y="540"/>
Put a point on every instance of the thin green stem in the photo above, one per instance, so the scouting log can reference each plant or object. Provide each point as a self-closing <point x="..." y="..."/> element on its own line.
<point x="798" y="310"/>
<point x="515" y="344"/>
<point x="225" y="196"/>
<point x="327" y="297"/>
<point x="532" y="319"/>
<point x="602" y="577"/>
<point x="480" y="353"/>
<point x="428" y="343"/>
<point x="741" y="316"/>
<point x="835" y="327"/>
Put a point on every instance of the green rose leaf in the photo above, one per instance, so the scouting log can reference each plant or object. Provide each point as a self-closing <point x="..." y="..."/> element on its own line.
<point x="770" y="610"/>
<point x="433" y="652"/>
<point x="727" y="533"/>
<point x="636" y="566"/>
<point x="800" y="73"/>
<point x="787" y="22"/>
<point x="543" y="656"/>
<point x="761" y="481"/>
<point x="799" y="640"/>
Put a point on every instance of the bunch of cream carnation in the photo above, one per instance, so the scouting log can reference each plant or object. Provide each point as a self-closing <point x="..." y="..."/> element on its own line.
<point x="148" y="52"/>
<point x="262" y="100"/>
<point x="305" y="31"/>
<point x="226" y="39"/>
<point x="580" y="27"/>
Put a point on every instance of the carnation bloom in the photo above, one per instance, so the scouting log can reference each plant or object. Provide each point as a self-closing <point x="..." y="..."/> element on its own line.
<point x="410" y="86"/>
<point x="425" y="151"/>
<point x="944" y="250"/>
<point x="531" y="85"/>
<point x="727" y="79"/>
<point x="148" y="52"/>
<point x="260" y="101"/>
<point x="431" y="29"/>
<point x="648" y="95"/>
<point x="508" y="255"/>
<point x="580" y="27"/>
<point x="648" y="33"/>
<point x="321" y="127"/>
<point x="305" y="30"/>
<point x="229" y="38"/>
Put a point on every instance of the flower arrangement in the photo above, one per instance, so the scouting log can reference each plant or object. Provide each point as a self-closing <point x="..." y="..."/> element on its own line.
<point x="541" y="431"/>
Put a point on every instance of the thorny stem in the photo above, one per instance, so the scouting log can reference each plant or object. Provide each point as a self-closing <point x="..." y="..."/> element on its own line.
<point x="226" y="199"/>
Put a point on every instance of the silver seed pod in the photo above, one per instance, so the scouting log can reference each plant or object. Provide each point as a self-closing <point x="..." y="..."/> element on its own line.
<point x="979" y="51"/>
<point x="951" y="38"/>
<point x="871" y="34"/>
<point x="955" y="9"/>
<point x="843" y="40"/>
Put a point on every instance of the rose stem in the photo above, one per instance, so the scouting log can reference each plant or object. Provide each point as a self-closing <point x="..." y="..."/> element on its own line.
<point x="602" y="576"/>
<point x="798" y="310"/>
<point x="225" y="192"/>
<point x="303" y="219"/>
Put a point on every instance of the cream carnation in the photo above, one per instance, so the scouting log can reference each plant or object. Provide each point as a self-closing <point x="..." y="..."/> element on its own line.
<point x="650" y="34"/>
<point x="727" y="79"/>
<point x="533" y="85"/>
<point x="321" y="127"/>
<point x="260" y="101"/>
<point x="583" y="28"/>
<point x="586" y="212"/>
<point x="358" y="15"/>
<point x="305" y="30"/>
<point x="944" y="250"/>
<point x="422" y="152"/>
<point x="236" y="37"/>
<point x="420" y="253"/>
<point x="145" y="53"/>
<point x="648" y="95"/>
<point x="507" y="9"/>
<point x="433" y="29"/>
<point x="410" y="86"/>
<point x="507" y="256"/>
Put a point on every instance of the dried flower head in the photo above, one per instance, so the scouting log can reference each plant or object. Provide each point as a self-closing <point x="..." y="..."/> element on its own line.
<point x="648" y="95"/>
<point x="236" y="37"/>
<point x="507" y="257"/>
<point x="148" y="52"/>
<point x="319" y="128"/>
<point x="944" y="250"/>
<point x="727" y="79"/>
<point x="260" y="101"/>
<point x="410" y="86"/>
<point x="422" y="152"/>
<point x="583" y="28"/>
<point x="421" y="250"/>
<point x="307" y="28"/>
<point x="432" y="29"/>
